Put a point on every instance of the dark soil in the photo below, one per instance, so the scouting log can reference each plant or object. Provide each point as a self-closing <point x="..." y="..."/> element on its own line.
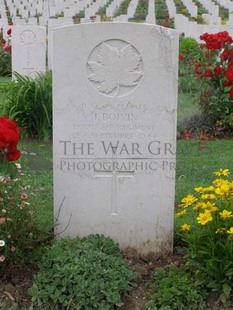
<point x="14" y="283"/>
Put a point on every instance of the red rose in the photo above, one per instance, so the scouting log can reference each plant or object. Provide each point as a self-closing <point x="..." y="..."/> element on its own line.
<point x="218" y="70"/>
<point x="224" y="55"/>
<point x="8" y="48"/>
<point x="216" y="41"/>
<point x="9" y="138"/>
<point x="9" y="31"/>
<point x="208" y="73"/>
<point x="181" y="57"/>
<point x="197" y="67"/>
<point x="229" y="74"/>
<point x="227" y="83"/>
<point x="13" y="155"/>
<point x="188" y="135"/>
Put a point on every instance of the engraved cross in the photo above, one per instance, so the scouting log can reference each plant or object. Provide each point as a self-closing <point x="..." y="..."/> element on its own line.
<point x="115" y="176"/>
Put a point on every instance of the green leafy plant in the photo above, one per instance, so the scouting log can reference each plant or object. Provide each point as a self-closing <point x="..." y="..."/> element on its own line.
<point x="29" y="102"/>
<point x="86" y="273"/>
<point x="174" y="289"/>
<point x="206" y="227"/>
<point x="188" y="45"/>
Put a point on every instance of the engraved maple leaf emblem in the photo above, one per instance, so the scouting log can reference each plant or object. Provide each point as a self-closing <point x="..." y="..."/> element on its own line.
<point x="114" y="68"/>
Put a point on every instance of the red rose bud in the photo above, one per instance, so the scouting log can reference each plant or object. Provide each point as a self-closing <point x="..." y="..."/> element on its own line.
<point x="208" y="73"/>
<point x="9" y="31"/>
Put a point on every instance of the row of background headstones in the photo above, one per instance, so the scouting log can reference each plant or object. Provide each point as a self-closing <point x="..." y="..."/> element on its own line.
<point x="29" y="58"/>
<point x="40" y="12"/>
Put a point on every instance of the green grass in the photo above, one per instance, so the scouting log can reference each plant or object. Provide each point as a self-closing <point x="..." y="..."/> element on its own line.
<point x="187" y="106"/>
<point x="195" y="165"/>
<point x="3" y="80"/>
<point x="36" y="162"/>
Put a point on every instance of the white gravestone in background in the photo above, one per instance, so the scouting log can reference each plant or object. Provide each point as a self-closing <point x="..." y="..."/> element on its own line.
<point x="28" y="50"/>
<point x="115" y="93"/>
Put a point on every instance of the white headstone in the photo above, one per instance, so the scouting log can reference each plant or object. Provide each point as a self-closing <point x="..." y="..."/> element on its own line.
<point x="115" y="92"/>
<point x="29" y="50"/>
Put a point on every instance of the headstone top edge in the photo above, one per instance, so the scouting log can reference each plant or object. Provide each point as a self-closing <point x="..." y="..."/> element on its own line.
<point x="116" y="24"/>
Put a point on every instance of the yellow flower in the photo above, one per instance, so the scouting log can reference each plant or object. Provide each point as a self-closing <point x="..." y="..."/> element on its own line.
<point x="199" y="190"/>
<point x="209" y="206"/>
<point x="185" y="227"/>
<point x="209" y="189"/>
<point x="220" y="230"/>
<point x="198" y="205"/>
<point x="223" y="190"/>
<point x="181" y="213"/>
<point x="188" y="200"/>
<point x="208" y="196"/>
<point x="225" y="214"/>
<point x="204" y="218"/>
<point x="222" y="172"/>
<point x="219" y="182"/>
<point x="230" y="231"/>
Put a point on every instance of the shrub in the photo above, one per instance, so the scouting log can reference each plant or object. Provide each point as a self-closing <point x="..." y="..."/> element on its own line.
<point x="86" y="273"/>
<point x="29" y="102"/>
<point x="188" y="53"/>
<point x="19" y="233"/>
<point x="18" y="230"/>
<point x="5" y="55"/>
<point x="174" y="289"/>
<point x="214" y="71"/>
<point x="206" y="226"/>
<point x="188" y="45"/>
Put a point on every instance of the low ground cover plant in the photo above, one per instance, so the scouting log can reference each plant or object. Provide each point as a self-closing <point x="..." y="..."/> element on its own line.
<point x="81" y="273"/>
<point x="174" y="288"/>
<point x="29" y="102"/>
<point x="205" y="218"/>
